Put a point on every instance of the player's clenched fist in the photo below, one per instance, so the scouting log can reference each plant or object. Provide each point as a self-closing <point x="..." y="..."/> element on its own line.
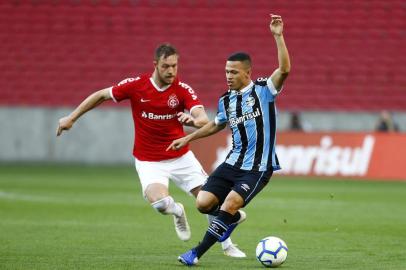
<point x="185" y="119"/>
<point x="65" y="123"/>
<point x="276" y="25"/>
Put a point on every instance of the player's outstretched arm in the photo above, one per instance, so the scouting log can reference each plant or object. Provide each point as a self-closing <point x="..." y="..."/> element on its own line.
<point x="209" y="129"/>
<point x="92" y="101"/>
<point x="281" y="73"/>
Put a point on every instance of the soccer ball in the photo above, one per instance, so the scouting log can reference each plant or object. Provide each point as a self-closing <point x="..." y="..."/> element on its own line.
<point x="271" y="251"/>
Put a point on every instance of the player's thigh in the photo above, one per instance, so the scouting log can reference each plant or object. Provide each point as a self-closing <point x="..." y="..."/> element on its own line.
<point x="154" y="177"/>
<point x="155" y="192"/>
<point x="187" y="173"/>
<point x="250" y="184"/>
<point x="220" y="182"/>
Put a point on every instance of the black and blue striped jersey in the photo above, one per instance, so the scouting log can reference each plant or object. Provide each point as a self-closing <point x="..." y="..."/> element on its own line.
<point x="251" y="115"/>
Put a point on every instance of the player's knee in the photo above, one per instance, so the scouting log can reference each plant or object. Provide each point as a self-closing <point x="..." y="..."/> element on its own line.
<point x="162" y="205"/>
<point x="204" y="206"/>
<point x="204" y="209"/>
<point x="206" y="202"/>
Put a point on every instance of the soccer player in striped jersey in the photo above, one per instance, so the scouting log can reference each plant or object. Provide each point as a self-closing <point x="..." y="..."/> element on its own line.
<point x="249" y="109"/>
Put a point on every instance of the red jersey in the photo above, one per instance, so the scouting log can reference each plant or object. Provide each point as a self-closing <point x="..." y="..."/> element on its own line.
<point x="155" y="115"/>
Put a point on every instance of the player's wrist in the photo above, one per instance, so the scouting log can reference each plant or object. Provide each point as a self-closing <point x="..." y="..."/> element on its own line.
<point x="277" y="35"/>
<point x="190" y="137"/>
<point x="72" y="118"/>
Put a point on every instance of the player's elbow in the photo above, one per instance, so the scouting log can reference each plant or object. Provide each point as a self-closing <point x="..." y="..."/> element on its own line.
<point x="285" y="70"/>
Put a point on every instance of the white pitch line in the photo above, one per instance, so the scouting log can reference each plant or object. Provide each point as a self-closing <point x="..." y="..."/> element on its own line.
<point x="24" y="197"/>
<point x="65" y="223"/>
<point x="60" y="200"/>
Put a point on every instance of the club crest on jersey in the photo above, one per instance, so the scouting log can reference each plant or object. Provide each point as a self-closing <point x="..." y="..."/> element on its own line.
<point x="230" y="109"/>
<point x="173" y="101"/>
<point x="250" y="101"/>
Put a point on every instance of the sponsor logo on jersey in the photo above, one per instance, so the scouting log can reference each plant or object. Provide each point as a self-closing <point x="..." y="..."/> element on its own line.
<point x="262" y="79"/>
<point x="189" y="89"/>
<point x="154" y="116"/>
<point x="128" y="80"/>
<point x="145" y="100"/>
<point x="248" y="116"/>
<point x="173" y="101"/>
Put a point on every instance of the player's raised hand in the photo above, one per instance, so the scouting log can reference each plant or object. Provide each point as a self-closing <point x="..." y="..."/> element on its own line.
<point x="65" y="123"/>
<point x="276" y="25"/>
<point x="185" y="119"/>
<point x="177" y="144"/>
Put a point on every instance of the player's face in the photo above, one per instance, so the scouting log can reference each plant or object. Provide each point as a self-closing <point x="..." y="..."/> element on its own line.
<point x="238" y="75"/>
<point x="166" y="69"/>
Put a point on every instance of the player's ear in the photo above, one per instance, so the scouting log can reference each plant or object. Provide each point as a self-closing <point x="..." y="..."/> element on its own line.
<point x="155" y="63"/>
<point x="248" y="72"/>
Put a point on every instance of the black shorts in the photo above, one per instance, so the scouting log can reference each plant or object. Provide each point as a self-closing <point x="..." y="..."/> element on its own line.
<point x="246" y="183"/>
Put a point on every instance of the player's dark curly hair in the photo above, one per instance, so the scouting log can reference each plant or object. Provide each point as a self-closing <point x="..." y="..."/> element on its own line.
<point x="165" y="50"/>
<point x="240" y="56"/>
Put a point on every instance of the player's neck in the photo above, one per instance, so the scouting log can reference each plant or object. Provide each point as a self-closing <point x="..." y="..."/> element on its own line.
<point x="245" y="87"/>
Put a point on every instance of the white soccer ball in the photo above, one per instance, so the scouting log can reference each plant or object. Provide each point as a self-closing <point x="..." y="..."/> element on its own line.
<point x="271" y="251"/>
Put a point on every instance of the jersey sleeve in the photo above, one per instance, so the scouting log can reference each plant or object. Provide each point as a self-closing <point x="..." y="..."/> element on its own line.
<point x="267" y="88"/>
<point x="122" y="90"/>
<point x="190" y="98"/>
<point x="272" y="88"/>
<point x="221" y="116"/>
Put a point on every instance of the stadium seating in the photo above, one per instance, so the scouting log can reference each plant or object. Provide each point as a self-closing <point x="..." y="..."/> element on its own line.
<point x="346" y="55"/>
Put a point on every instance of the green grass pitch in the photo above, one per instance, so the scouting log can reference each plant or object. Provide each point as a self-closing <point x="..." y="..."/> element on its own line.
<point x="73" y="217"/>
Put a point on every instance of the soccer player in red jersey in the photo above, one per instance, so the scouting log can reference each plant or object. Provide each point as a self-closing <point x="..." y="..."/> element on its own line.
<point x="158" y="103"/>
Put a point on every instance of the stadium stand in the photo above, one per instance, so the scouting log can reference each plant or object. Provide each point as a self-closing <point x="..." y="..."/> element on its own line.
<point x="346" y="55"/>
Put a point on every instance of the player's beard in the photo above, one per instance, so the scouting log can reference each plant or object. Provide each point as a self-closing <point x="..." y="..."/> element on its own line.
<point x="165" y="80"/>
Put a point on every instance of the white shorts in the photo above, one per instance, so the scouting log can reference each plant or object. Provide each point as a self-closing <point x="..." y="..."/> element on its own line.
<point x="185" y="171"/>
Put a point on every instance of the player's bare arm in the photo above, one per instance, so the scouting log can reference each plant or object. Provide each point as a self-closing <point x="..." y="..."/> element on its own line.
<point x="92" y="101"/>
<point x="207" y="130"/>
<point x="281" y="73"/>
<point x="197" y="118"/>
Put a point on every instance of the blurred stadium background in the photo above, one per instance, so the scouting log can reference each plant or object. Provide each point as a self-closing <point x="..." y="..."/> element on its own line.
<point x="347" y="59"/>
<point x="348" y="65"/>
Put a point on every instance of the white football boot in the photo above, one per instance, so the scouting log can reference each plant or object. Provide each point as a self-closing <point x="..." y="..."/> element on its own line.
<point x="233" y="251"/>
<point x="181" y="225"/>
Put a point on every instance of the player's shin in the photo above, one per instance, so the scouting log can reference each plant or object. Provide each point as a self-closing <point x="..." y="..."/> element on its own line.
<point x="226" y="243"/>
<point x="216" y="230"/>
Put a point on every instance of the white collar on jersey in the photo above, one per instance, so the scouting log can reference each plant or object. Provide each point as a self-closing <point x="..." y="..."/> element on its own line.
<point x="245" y="89"/>
<point x="157" y="87"/>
